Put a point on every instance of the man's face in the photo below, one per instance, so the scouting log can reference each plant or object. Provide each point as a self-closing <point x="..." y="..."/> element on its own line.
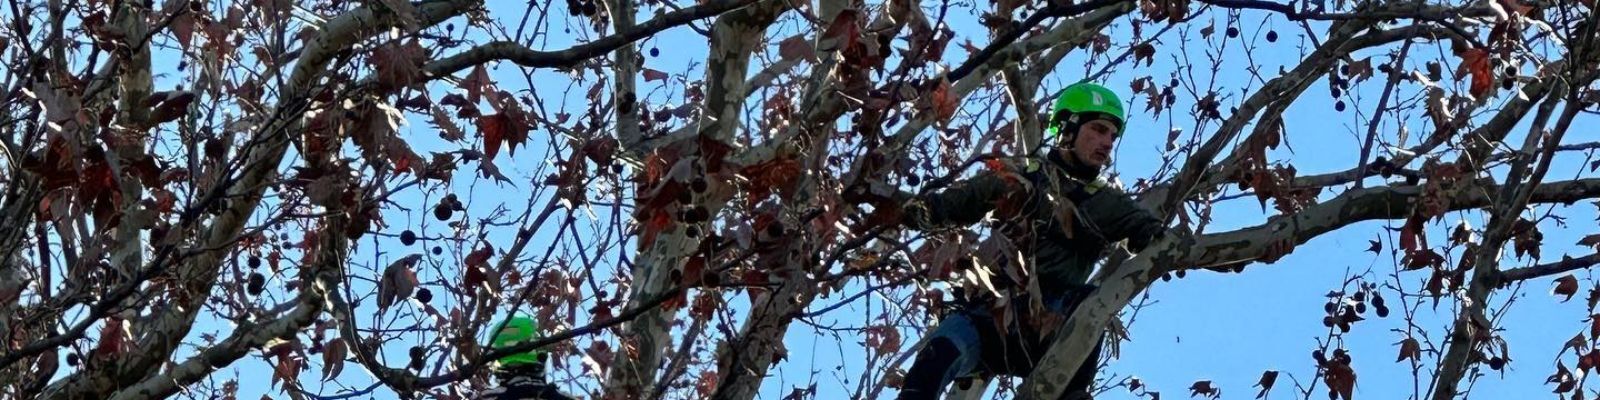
<point x="1094" y="142"/>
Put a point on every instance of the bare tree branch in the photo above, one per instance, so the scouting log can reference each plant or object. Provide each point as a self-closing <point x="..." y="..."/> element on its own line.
<point x="1567" y="264"/>
<point x="323" y="275"/>
<point x="198" y="270"/>
<point x="624" y="37"/>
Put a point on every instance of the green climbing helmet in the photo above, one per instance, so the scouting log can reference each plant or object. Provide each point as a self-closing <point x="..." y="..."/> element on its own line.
<point x="1083" y="102"/>
<point x="511" y="332"/>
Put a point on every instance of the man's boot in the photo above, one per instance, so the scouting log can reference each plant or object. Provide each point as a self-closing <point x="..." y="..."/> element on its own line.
<point x="925" y="380"/>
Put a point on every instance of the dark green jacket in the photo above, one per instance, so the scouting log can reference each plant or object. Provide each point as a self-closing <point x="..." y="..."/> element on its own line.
<point x="1030" y="202"/>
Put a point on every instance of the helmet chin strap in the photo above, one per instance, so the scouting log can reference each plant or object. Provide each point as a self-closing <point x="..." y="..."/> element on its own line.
<point x="1069" y="161"/>
<point x="1066" y="133"/>
<point x="1067" y="136"/>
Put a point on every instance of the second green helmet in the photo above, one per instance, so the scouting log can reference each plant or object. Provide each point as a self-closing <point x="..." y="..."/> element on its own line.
<point x="511" y="332"/>
<point x="1082" y="102"/>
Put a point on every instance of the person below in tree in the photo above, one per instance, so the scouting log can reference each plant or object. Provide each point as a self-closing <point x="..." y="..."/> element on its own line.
<point x="520" y="375"/>
<point x="1062" y="217"/>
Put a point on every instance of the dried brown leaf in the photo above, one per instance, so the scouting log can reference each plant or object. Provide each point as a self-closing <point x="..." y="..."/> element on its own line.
<point x="651" y="75"/>
<point x="448" y="130"/>
<point x="1410" y="349"/>
<point x="476" y="83"/>
<point x="333" y="356"/>
<point x="1591" y="241"/>
<point x="114" y="337"/>
<point x="1341" y="380"/>
<point x="1267" y="379"/>
<point x="1566" y="285"/>
<point x="1146" y="52"/>
<point x="1360" y="70"/>
<point x="944" y="103"/>
<point x="1204" y="388"/>
<point x="399" y="280"/>
<point x="796" y="47"/>
<point x="398" y="65"/>
<point x="1577" y="343"/>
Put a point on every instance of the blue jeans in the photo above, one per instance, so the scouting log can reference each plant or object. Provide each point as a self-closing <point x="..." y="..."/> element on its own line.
<point x="969" y="343"/>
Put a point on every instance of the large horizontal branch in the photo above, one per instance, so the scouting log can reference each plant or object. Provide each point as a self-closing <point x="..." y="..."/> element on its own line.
<point x="1441" y="15"/>
<point x="1444" y="16"/>
<point x="1543" y="270"/>
<point x="1003" y="42"/>
<point x="1380" y="202"/>
<point x="1118" y="287"/>
<point x="1410" y="10"/>
<point x="524" y="56"/>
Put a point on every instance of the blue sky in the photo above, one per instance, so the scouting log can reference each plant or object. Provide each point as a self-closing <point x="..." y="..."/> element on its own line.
<point x="1227" y="328"/>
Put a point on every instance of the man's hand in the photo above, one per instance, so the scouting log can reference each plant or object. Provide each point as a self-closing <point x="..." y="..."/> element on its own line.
<point x="1277" y="250"/>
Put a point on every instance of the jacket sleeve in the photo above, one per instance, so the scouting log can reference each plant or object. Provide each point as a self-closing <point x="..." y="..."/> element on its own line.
<point x="1131" y="221"/>
<point x="964" y="203"/>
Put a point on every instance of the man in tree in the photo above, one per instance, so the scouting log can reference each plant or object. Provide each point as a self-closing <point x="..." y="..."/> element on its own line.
<point x="1062" y="218"/>
<point x="521" y="375"/>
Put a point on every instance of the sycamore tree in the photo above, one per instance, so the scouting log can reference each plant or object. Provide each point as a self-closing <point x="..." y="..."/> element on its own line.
<point x="335" y="199"/>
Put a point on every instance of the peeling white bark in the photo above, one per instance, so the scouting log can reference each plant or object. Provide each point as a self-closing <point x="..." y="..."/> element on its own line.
<point x="324" y="275"/>
<point x="734" y="39"/>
